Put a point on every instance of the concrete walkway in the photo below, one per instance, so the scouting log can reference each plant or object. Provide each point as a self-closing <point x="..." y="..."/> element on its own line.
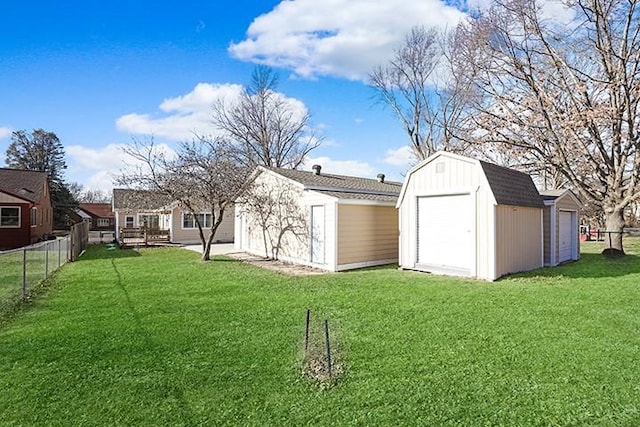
<point x="216" y="249"/>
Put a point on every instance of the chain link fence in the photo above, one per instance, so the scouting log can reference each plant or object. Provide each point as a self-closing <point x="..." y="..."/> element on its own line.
<point x="21" y="270"/>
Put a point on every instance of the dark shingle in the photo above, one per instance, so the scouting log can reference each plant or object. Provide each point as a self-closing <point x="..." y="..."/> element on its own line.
<point x="511" y="187"/>
<point x="27" y="185"/>
<point x="344" y="187"/>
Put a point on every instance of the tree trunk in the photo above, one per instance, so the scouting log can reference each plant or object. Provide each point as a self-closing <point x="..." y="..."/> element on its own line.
<point x="206" y="252"/>
<point x="614" y="224"/>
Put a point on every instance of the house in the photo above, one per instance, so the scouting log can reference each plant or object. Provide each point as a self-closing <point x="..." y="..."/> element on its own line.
<point x="327" y="221"/>
<point x="142" y="209"/>
<point x="99" y="216"/>
<point x="561" y="224"/>
<point x="465" y="217"/>
<point x="26" y="212"/>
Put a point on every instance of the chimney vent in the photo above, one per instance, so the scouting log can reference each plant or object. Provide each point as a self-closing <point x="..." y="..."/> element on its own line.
<point x="316" y="169"/>
<point x="381" y="177"/>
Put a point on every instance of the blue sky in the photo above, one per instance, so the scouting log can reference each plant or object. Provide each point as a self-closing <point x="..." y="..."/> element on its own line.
<point x="99" y="73"/>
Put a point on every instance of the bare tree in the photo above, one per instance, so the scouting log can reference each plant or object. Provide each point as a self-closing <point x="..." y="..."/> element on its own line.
<point x="267" y="128"/>
<point x="568" y="94"/>
<point x="423" y="88"/>
<point x="204" y="176"/>
<point x="275" y="207"/>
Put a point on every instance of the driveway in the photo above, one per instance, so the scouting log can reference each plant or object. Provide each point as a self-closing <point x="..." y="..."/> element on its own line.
<point x="216" y="249"/>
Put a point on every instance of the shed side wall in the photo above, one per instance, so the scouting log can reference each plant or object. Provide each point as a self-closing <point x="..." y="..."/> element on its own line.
<point x="367" y="233"/>
<point x="518" y="239"/>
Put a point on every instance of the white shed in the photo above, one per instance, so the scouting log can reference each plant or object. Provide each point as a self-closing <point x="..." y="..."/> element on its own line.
<point x="465" y="217"/>
<point x="326" y="221"/>
<point x="561" y="223"/>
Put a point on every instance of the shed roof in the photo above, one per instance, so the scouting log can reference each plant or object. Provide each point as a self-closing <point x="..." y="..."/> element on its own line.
<point x="552" y="195"/>
<point x="24" y="184"/>
<point x="508" y="186"/>
<point x="343" y="186"/>
<point x="124" y="198"/>
<point x="511" y="187"/>
<point x="99" y="210"/>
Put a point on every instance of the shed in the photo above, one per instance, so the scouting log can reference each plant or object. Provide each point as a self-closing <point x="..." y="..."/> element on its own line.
<point x="328" y="221"/>
<point x="561" y="224"/>
<point x="466" y="217"/>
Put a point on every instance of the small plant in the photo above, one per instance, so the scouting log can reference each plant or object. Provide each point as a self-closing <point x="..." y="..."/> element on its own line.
<point x="321" y="362"/>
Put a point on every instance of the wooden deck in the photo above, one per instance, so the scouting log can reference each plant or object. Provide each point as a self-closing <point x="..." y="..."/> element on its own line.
<point x="143" y="236"/>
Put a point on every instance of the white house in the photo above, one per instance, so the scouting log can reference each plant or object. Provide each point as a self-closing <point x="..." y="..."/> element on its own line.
<point x="138" y="208"/>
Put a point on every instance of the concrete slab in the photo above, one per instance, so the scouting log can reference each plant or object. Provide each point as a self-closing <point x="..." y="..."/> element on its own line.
<point x="216" y="249"/>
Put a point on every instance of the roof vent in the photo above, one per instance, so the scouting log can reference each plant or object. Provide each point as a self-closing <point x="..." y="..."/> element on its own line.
<point x="316" y="169"/>
<point x="381" y="177"/>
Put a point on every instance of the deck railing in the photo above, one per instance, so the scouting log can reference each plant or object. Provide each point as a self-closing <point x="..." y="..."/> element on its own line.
<point x="143" y="236"/>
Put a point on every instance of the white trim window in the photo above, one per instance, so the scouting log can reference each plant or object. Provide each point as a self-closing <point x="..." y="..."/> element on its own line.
<point x="129" y="221"/>
<point x="10" y="216"/>
<point x="103" y="222"/>
<point x="189" y="223"/>
<point x="33" y="216"/>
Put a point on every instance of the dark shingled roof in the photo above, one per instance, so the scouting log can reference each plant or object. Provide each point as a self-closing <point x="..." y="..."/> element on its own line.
<point x="511" y="187"/>
<point x="344" y="187"/>
<point x="27" y="185"/>
<point x="139" y="199"/>
<point x="99" y="210"/>
<point x="551" y="194"/>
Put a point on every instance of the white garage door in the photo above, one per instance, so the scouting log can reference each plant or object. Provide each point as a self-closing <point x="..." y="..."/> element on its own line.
<point x="444" y="233"/>
<point x="566" y="236"/>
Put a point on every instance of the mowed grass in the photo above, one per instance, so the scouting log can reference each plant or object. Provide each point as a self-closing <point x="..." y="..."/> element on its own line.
<point x="158" y="337"/>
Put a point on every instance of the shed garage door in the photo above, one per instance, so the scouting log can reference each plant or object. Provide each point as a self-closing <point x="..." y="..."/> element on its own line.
<point x="566" y="236"/>
<point x="444" y="233"/>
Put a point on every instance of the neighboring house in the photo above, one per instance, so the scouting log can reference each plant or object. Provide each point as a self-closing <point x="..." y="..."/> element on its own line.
<point x="561" y="224"/>
<point x="331" y="222"/>
<point x="99" y="216"/>
<point x="466" y="217"/>
<point x="26" y="213"/>
<point x="134" y="209"/>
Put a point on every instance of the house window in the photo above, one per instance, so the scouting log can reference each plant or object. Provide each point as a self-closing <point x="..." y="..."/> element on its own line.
<point x="10" y="216"/>
<point x="103" y="222"/>
<point x="128" y="222"/>
<point x="34" y="217"/>
<point x="205" y="219"/>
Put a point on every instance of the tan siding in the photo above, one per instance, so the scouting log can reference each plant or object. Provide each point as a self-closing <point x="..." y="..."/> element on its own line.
<point x="7" y="198"/>
<point x="518" y="242"/>
<point x="224" y="233"/>
<point x="367" y="233"/>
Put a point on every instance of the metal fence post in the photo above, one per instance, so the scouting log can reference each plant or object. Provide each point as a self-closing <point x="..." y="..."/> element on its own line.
<point x="24" y="274"/>
<point x="46" y="260"/>
<point x="59" y="244"/>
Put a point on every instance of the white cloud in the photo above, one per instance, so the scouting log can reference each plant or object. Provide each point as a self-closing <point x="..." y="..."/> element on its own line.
<point x="181" y="116"/>
<point x="344" y="38"/>
<point x="341" y="167"/>
<point x="184" y="116"/>
<point x="402" y="156"/>
<point x="97" y="167"/>
<point x="5" y="132"/>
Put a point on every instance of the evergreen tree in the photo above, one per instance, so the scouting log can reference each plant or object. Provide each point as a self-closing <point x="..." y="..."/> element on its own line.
<point x="42" y="151"/>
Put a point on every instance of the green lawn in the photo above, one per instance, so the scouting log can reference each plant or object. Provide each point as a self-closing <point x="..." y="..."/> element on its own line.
<point x="161" y="338"/>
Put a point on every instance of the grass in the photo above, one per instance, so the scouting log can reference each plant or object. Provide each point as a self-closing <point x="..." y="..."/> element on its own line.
<point x="157" y="337"/>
